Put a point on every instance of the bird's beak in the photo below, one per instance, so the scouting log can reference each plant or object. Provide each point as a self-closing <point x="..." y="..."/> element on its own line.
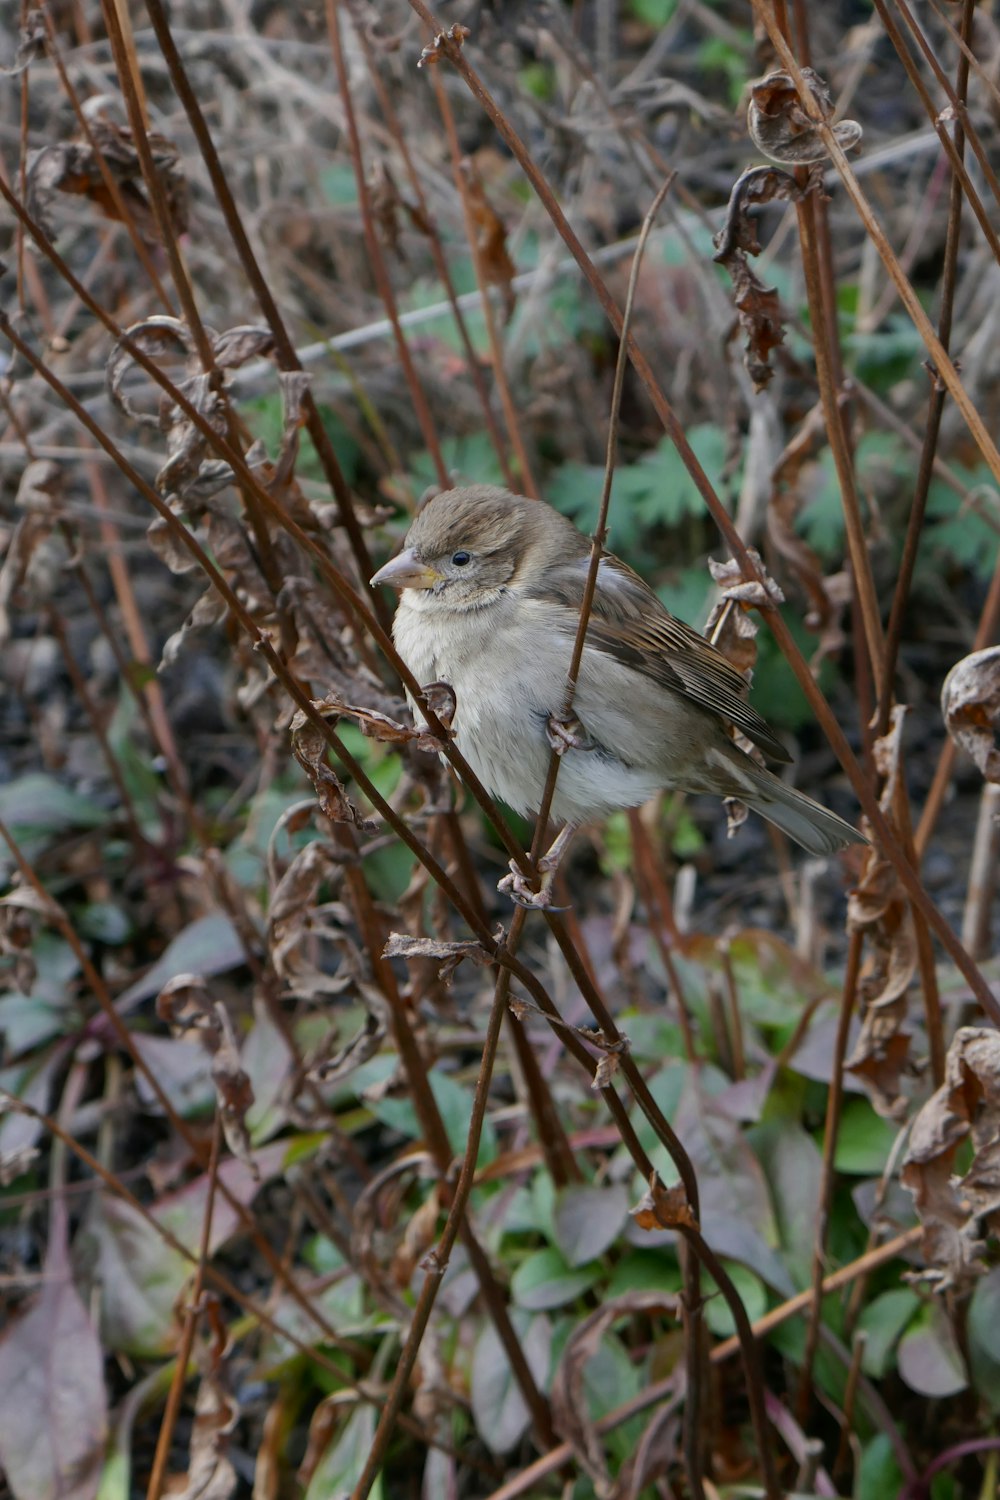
<point x="407" y="571"/>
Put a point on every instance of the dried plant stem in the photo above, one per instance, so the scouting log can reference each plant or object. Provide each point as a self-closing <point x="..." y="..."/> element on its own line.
<point x="932" y="428"/>
<point x="436" y="1263"/>
<point x="831" y="1130"/>
<point x="956" y="102"/>
<point x="472" y="360"/>
<point x="284" y="348"/>
<point x="376" y="259"/>
<point x="840" y="1461"/>
<point x="127" y="66"/>
<point x="433" y="1128"/>
<point x="820" y="291"/>
<point x="511" y="418"/>
<point x="786" y="641"/>
<point x="122" y="209"/>
<point x="150" y="692"/>
<point x="943" y="364"/>
<point x="192" y="1313"/>
<point x="976" y="920"/>
<point x="662" y="925"/>
<point x="82" y="690"/>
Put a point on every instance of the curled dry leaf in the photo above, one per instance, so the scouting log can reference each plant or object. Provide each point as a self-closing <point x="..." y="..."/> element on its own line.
<point x="190" y="471"/>
<point x="210" y="1474"/>
<point x="309" y="748"/>
<point x="783" y="131"/>
<point x="34" y="559"/>
<point x="491" y="239"/>
<point x="879" y="908"/>
<point x="445" y="45"/>
<point x="30" y="44"/>
<point x="400" y="945"/>
<point x="970" y="703"/>
<point x="299" y="927"/>
<point x="757" y="305"/>
<point x="663" y="1208"/>
<point x="184" y="1004"/>
<point x="73" y="167"/>
<point x="19" y="911"/>
<point x="956" y="1211"/>
<point x="732" y="629"/>
<point x="232" y="1086"/>
<point x="570" y="1408"/>
<point x="373" y="723"/>
<point x="419" y="1234"/>
<point x="362" y="1046"/>
<point x="378" y="1214"/>
<point x="208" y="610"/>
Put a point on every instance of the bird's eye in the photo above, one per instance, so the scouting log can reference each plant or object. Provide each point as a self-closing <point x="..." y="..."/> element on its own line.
<point x="461" y="558"/>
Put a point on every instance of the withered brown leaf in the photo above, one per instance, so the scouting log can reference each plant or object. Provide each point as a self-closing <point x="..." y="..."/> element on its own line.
<point x="757" y="305"/>
<point x="970" y="703"/>
<point x="783" y="131"/>
<point x="955" y="1211"/>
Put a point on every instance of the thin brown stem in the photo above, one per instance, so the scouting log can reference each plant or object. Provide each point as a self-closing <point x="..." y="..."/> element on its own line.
<point x="831" y="1130"/>
<point x="186" y="1343"/>
<point x="375" y="256"/>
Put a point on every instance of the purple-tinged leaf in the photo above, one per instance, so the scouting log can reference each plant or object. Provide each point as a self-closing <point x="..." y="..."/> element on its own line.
<point x="53" y="1405"/>
<point x="588" y="1220"/>
<point x="929" y="1358"/>
<point x="502" y="1417"/>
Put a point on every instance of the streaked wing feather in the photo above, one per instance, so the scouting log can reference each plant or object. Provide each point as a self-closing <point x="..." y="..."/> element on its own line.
<point x="629" y="623"/>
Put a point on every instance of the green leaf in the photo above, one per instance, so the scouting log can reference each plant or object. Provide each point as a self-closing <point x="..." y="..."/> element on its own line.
<point x="341" y="1466"/>
<point x="653" y="12"/>
<point x="37" y="805"/>
<point x="751" y="1293"/>
<point x="863" y="1141"/>
<point x="884" y="1320"/>
<point x="207" y="946"/>
<point x="454" y="1101"/>
<point x="544" y="1280"/>
<point x="984" y="1353"/>
<point x="502" y="1416"/>
<point x="792" y="1166"/>
<point x="339" y="184"/>
<point x="929" y="1358"/>
<point x="645" y="1271"/>
<point x="104" y="922"/>
<point x="879" y="1475"/>
<point x="588" y="1219"/>
<point x="470" y="459"/>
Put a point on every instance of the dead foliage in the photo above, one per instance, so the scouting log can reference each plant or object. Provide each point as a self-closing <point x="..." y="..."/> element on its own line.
<point x="970" y="703"/>
<point x="879" y="908"/>
<point x="760" y="315"/>
<point x="958" y="1210"/>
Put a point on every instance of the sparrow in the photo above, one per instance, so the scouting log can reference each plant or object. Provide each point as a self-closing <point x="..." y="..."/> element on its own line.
<point x="491" y="586"/>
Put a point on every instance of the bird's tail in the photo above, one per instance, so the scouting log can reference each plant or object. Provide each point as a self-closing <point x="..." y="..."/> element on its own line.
<point x="805" y="821"/>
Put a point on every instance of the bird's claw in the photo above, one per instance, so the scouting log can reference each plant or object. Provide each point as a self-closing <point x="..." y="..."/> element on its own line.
<point x="517" y="886"/>
<point x="567" y="734"/>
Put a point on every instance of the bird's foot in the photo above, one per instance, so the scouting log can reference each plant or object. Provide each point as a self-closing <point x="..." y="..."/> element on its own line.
<point x="567" y="734"/>
<point x="518" y="887"/>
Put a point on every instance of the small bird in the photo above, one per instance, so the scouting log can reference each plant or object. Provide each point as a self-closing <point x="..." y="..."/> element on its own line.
<point x="490" y="587"/>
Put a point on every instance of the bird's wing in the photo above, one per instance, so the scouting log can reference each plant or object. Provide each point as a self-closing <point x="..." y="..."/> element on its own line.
<point x="629" y="623"/>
